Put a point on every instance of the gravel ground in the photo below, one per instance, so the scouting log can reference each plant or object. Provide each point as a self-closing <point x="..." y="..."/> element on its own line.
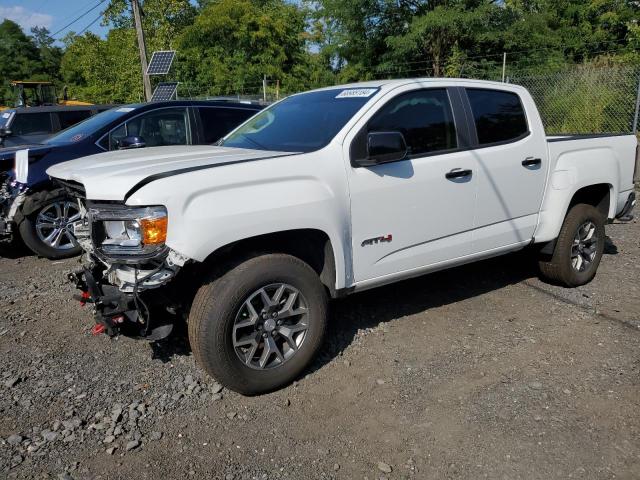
<point x="482" y="371"/>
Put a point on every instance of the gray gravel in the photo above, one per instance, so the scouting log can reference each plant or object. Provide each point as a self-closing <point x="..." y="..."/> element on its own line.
<point x="480" y="372"/>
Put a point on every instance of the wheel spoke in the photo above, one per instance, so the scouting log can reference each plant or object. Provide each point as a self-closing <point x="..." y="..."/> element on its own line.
<point x="288" y="310"/>
<point x="266" y="300"/>
<point x="289" y="332"/>
<point x="578" y="263"/>
<point x="56" y="242"/>
<point x="74" y="218"/>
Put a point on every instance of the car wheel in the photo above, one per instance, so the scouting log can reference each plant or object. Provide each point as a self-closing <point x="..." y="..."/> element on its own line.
<point x="578" y="249"/>
<point x="256" y="327"/>
<point x="48" y="231"/>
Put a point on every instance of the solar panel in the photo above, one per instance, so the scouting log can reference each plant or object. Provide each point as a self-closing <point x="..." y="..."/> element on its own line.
<point x="164" y="91"/>
<point x="161" y="62"/>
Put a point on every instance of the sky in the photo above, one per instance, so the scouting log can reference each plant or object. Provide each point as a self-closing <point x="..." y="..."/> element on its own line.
<point x="53" y="14"/>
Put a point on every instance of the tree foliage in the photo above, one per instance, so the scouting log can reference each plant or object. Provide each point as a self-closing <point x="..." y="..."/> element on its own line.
<point x="228" y="46"/>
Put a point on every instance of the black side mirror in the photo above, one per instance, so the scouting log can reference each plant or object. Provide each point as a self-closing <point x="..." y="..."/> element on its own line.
<point x="132" y="141"/>
<point x="384" y="147"/>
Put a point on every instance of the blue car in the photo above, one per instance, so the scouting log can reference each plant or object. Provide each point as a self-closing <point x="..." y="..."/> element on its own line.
<point x="42" y="215"/>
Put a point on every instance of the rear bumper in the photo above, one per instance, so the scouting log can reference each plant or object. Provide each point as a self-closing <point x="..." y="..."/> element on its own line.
<point x="625" y="214"/>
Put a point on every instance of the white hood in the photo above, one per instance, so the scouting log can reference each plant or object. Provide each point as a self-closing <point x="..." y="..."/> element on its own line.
<point x="111" y="175"/>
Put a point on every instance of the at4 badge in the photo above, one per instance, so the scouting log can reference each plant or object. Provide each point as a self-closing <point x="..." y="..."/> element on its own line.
<point x="372" y="241"/>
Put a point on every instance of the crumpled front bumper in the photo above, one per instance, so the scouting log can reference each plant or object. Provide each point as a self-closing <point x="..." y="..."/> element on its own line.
<point x="142" y="315"/>
<point x="12" y="195"/>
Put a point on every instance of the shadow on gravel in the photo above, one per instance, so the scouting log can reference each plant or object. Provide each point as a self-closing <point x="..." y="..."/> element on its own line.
<point x="176" y="344"/>
<point x="13" y="250"/>
<point x="392" y="302"/>
<point x="610" y="247"/>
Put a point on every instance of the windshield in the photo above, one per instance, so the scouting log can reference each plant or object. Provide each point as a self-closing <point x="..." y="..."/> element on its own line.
<point x="88" y="127"/>
<point x="5" y="118"/>
<point x="301" y="123"/>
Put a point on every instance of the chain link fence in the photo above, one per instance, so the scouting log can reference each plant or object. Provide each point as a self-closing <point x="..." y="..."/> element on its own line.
<point x="575" y="99"/>
<point x="586" y="99"/>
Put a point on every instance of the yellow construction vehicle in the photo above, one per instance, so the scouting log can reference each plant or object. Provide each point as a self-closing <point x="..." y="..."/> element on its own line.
<point x="38" y="94"/>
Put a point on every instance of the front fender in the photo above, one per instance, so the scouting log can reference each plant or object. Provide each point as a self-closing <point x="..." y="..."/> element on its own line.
<point x="216" y="207"/>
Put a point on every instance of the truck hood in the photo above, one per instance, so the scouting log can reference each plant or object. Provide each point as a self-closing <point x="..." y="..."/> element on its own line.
<point x="113" y="175"/>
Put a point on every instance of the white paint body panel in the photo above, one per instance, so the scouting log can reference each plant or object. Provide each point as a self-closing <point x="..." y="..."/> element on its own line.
<point x="435" y="223"/>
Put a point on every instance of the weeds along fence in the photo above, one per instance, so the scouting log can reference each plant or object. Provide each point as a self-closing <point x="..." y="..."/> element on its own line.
<point x="574" y="99"/>
<point x="586" y="99"/>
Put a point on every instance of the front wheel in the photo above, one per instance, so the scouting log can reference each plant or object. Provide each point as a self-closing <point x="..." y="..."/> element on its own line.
<point x="578" y="249"/>
<point x="257" y="327"/>
<point x="48" y="231"/>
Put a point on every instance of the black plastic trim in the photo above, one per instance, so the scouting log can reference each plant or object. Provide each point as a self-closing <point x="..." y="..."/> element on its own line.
<point x="570" y="137"/>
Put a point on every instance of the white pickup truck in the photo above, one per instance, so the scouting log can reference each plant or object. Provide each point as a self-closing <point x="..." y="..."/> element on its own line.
<point x="327" y="193"/>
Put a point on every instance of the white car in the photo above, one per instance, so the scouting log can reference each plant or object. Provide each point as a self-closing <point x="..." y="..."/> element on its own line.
<point x="327" y="193"/>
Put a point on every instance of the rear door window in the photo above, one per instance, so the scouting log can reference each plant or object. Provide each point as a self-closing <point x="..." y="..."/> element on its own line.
<point x="71" y="117"/>
<point x="499" y="116"/>
<point x="31" y="124"/>
<point x="218" y="121"/>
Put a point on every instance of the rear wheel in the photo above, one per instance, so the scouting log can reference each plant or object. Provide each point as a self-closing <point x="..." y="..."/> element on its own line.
<point x="579" y="248"/>
<point x="48" y="231"/>
<point x="256" y="327"/>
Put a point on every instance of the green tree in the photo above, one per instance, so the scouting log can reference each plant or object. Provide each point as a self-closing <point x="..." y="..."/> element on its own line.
<point x="232" y="44"/>
<point x="50" y="55"/>
<point x="19" y="59"/>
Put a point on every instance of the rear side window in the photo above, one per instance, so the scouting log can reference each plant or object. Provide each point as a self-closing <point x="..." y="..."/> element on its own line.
<point x="31" y="123"/>
<point x="499" y="116"/>
<point x="218" y="121"/>
<point x="423" y="117"/>
<point x="71" y="117"/>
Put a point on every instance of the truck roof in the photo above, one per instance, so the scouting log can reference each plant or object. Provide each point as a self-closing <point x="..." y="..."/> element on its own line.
<point x="391" y="83"/>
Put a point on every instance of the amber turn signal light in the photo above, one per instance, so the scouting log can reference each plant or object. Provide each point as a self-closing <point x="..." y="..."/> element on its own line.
<point x="154" y="230"/>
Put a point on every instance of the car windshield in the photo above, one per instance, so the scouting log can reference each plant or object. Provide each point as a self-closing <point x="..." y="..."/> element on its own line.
<point x="301" y="123"/>
<point x="88" y="127"/>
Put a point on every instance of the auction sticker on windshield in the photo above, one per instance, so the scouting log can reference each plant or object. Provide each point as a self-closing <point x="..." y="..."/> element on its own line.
<point x="357" y="93"/>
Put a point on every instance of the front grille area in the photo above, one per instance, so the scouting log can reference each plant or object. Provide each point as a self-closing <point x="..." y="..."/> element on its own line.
<point x="74" y="189"/>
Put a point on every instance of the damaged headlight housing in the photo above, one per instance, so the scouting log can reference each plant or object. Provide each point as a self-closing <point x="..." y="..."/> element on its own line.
<point x="129" y="232"/>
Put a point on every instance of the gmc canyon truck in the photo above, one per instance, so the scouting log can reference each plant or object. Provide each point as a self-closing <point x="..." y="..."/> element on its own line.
<point x="328" y="193"/>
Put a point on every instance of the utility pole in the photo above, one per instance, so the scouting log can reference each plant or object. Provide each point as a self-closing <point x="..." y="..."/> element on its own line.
<point x="146" y="82"/>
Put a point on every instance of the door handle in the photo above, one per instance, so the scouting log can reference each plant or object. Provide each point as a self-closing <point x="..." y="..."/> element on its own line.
<point x="530" y="162"/>
<point x="458" y="173"/>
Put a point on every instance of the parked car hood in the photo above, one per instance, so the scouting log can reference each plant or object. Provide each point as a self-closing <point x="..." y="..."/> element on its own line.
<point x="8" y="154"/>
<point x="111" y="175"/>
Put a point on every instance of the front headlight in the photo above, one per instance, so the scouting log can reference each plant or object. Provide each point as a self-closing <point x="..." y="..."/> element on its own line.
<point x="119" y="231"/>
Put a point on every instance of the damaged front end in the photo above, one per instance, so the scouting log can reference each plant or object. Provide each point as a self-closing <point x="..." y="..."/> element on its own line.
<point x="12" y="196"/>
<point x="127" y="270"/>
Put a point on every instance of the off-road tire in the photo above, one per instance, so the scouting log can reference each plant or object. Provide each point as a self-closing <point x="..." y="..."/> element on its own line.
<point x="217" y="303"/>
<point x="558" y="269"/>
<point x="28" y="234"/>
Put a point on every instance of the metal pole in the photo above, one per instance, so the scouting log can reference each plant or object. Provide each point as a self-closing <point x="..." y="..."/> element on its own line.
<point x="264" y="89"/>
<point x="504" y="66"/>
<point x="634" y="128"/>
<point x="146" y="82"/>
